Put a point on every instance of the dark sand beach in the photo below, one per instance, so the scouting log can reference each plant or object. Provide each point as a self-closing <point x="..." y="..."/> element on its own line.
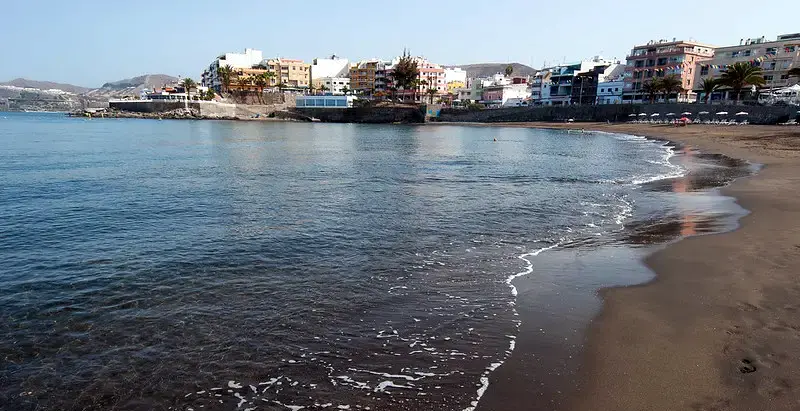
<point x="718" y="326"/>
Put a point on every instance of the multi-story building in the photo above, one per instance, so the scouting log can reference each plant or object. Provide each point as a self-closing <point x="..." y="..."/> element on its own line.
<point x="248" y="59"/>
<point x="663" y="58"/>
<point x="330" y="67"/>
<point x="332" y="85"/>
<point x="455" y="78"/>
<point x="610" y="91"/>
<point x="586" y="85"/>
<point x="774" y="57"/>
<point x="290" y="73"/>
<point x="540" y="87"/>
<point x="505" y="94"/>
<point x="362" y="76"/>
<point x="558" y="89"/>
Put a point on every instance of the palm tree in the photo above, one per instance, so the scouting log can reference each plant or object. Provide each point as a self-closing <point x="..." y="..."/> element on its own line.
<point x="244" y="84"/>
<point x="188" y="84"/>
<point x="226" y="76"/>
<point x="740" y="75"/>
<point x="671" y="84"/>
<point x="322" y="88"/>
<point x="345" y="90"/>
<point x="281" y="86"/>
<point x="652" y="88"/>
<point x="431" y="93"/>
<point x="709" y="85"/>
<point x="509" y="70"/>
<point x="261" y="82"/>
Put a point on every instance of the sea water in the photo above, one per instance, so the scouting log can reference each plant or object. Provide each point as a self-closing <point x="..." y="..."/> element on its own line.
<point x="269" y="265"/>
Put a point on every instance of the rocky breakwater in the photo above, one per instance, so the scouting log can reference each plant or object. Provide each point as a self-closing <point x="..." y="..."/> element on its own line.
<point x="176" y="114"/>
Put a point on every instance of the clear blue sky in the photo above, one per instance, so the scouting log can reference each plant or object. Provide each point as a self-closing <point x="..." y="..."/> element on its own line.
<point x="88" y="42"/>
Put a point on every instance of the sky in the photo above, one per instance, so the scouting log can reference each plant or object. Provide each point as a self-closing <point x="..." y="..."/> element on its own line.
<point x="88" y="42"/>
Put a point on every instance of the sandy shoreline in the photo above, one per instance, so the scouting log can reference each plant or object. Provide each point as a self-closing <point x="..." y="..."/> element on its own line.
<point x="717" y="328"/>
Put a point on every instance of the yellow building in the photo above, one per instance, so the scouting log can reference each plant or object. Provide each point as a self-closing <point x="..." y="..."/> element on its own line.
<point x="290" y="72"/>
<point x="453" y="86"/>
<point x="362" y="76"/>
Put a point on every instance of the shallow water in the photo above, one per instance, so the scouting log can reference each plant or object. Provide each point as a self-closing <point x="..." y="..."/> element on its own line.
<point x="224" y="265"/>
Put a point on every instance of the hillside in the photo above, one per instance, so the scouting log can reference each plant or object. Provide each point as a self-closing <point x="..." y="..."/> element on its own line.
<point x="31" y="95"/>
<point x="45" y="85"/>
<point x="131" y="86"/>
<point x="490" y="69"/>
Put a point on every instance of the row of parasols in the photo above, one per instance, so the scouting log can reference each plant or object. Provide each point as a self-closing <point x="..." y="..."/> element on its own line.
<point x="687" y="114"/>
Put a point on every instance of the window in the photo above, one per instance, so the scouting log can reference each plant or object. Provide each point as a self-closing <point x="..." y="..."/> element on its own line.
<point x="662" y="61"/>
<point x="771" y="50"/>
<point x="639" y="64"/>
<point x="651" y="63"/>
<point x="602" y="90"/>
<point x="704" y="70"/>
<point x="638" y="74"/>
<point x="789" y="49"/>
<point x="768" y="77"/>
<point x="616" y="89"/>
<point x="735" y="53"/>
<point x="746" y="53"/>
<point x="783" y="77"/>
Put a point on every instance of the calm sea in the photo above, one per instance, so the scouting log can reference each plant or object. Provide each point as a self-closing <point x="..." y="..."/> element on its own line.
<point x="232" y="265"/>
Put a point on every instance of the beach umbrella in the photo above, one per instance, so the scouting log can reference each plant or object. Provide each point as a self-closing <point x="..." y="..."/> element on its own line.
<point x="631" y="115"/>
<point x="684" y="119"/>
<point x="703" y="112"/>
<point x="642" y="114"/>
<point x="686" y="113"/>
<point x="722" y="113"/>
<point x="742" y="113"/>
<point x="654" y="115"/>
<point x="670" y="114"/>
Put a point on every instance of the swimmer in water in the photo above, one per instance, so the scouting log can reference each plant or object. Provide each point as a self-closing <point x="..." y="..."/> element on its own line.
<point x="495" y="139"/>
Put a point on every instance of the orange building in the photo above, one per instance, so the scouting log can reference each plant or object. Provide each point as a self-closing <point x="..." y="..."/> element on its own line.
<point x="663" y="58"/>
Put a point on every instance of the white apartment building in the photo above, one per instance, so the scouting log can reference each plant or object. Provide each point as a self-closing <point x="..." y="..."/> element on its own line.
<point x="330" y="67"/>
<point x="333" y="85"/>
<point x="610" y="92"/>
<point x="248" y="59"/>
<point x="455" y="74"/>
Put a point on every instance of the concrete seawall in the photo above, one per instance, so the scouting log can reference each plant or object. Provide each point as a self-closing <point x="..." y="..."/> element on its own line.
<point x="615" y="113"/>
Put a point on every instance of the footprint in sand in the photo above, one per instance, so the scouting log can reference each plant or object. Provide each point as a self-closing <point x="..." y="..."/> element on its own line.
<point x="747" y="367"/>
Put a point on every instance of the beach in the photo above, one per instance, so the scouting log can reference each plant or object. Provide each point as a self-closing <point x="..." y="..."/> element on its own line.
<point x="717" y="327"/>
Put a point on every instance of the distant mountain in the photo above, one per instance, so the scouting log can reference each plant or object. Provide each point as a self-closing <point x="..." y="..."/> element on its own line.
<point x="45" y="85"/>
<point x="132" y="86"/>
<point x="490" y="69"/>
<point x="30" y="95"/>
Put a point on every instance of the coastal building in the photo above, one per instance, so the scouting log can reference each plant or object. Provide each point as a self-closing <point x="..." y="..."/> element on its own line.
<point x="328" y="101"/>
<point x="330" y="67"/>
<point x="586" y="85"/>
<point x="559" y="86"/>
<point x="332" y="85"/>
<point x="362" y="75"/>
<point x="291" y="73"/>
<point x="662" y="58"/>
<point x="455" y="75"/>
<point x="473" y="93"/>
<point x="248" y="59"/>
<point x="610" y="91"/>
<point x="540" y="87"/>
<point x="775" y="57"/>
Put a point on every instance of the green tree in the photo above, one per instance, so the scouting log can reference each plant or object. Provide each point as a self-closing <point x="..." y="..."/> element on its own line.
<point x="188" y="84"/>
<point x="226" y="77"/>
<point x="709" y="86"/>
<point x="432" y="93"/>
<point x="740" y="75"/>
<point x="509" y="70"/>
<point x="345" y="90"/>
<point x="322" y="88"/>
<point x="671" y="84"/>
<point x="794" y="72"/>
<point x="260" y="82"/>
<point x="405" y="73"/>
<point x="244" y="84"/>
<point x="281" y="86"/>
<point x="652" y="88"/>
<point x="209" y="95"/>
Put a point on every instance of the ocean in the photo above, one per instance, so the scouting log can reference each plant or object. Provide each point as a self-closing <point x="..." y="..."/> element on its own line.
<point x="182" y="265"/>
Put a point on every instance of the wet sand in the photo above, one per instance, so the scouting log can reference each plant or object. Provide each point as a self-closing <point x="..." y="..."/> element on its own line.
<point x="718" y="328"/>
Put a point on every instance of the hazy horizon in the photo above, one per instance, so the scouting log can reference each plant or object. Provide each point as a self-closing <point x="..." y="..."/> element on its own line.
<point x="99" y="42"/>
